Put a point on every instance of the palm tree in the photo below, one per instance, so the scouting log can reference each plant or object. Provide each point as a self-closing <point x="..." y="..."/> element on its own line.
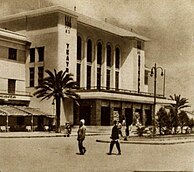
<point x="58" y="85"/>
<point x="175" y="108"/>
<point x="180" y="102"/>
<point x="183" y="119"/>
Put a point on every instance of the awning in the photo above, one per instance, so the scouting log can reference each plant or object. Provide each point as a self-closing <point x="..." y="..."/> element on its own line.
<point x="12" y="111"/>
<point x="8" y="110"/>
<point x="35" y="111"/>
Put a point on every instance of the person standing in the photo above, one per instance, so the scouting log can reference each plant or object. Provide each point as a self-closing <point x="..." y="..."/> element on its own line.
<point x="67" y="129"/>
<point x="120" y="129"/>
<point x="115" y="139"/>
<point x="81" y="133"/>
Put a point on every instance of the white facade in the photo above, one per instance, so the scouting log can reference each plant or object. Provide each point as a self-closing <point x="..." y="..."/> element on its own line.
<point x="116" y="82"/>
<point x="13" y="52"/>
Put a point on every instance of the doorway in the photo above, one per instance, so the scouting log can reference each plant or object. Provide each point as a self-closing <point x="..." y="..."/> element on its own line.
<point x="148" y="114"/>
<point x="85" y="113"/>
<point x="105" y="116"/>
<point x="128" y="116"/>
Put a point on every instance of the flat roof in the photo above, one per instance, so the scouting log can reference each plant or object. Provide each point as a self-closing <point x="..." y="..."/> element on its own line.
<point x="12" y="35"/>
<point x="102" y="25"/>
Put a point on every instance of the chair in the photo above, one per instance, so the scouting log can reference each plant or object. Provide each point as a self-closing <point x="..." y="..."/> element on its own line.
<point x="3" y="128"/>
<point x="46" y="128"/>
<point x="28" y="128"/>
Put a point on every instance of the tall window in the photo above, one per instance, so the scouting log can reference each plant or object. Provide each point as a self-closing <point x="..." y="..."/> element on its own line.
<point x="108" y="79"/>
<point x="139" y="71"/>
<point x="31" y="77"/>
<point x="99" y="53"/>
<point x="117" y="58"/>
<point x="108" y="55"/>
<point x="88" y="77"/>
<point x="79" y="48"/>
<point x="68" y="21"/>
<point x="12" y="54"/>
<point x="146" y="77"/>
<point x="99" y="62"/>
<point x="11" y="86"/>
<point x="78" y="73"/>
<point x="40" y="54"/>
<point x="139" y="45"/>
<point x="89" y="50"/>
<point x="40" y="75"/>
<point x="117" y="80"/>
<point x="32" y="55"/>
<point x="98" y="78"/>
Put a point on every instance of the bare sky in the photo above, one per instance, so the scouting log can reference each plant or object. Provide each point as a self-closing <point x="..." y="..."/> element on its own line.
<point x="168" y="23"/>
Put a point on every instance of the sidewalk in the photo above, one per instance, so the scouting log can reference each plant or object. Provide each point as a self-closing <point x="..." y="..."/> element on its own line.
<point x="91" y="130"/>
<point x="157" y="140"/>
<point x="104" y="132"/>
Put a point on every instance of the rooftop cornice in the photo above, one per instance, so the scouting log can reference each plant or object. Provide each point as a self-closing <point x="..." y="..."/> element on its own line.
<point x="82" y="19"/>
<point x="12" y="35"/>
<point x="38" y="12"/>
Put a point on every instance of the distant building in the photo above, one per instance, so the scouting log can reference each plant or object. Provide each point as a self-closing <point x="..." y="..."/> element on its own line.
<point x="15" y="115"/>
<point x="108" y="62"/>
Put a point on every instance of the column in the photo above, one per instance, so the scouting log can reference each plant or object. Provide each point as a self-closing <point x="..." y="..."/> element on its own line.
<point x="32" y="122"/>
<point x="83" y="78"/>
<point x="112" y="84"/>
<point x="98" y="112"/>
<point x="103" y="72"/>
<point x="7" y="123"/>
<point x="143" y="116"/>
<point x="111" y="113"/>
<point x="94" y="66"/>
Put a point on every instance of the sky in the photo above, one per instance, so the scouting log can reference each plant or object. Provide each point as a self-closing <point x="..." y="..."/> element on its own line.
<point x="168" y="23"/>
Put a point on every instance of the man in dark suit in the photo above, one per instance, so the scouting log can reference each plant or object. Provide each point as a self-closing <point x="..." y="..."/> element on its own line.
<point x="115" y="139"/>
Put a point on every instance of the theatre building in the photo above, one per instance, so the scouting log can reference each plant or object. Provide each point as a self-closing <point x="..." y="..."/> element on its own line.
<point x="107" y="61"/>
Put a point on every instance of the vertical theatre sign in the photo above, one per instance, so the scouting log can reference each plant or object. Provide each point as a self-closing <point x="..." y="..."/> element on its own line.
<point x="67" y="57"/>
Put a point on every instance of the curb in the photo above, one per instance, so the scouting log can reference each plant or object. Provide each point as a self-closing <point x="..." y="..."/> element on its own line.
<point x="44" y="136"/>
<point x="150" y="142"/>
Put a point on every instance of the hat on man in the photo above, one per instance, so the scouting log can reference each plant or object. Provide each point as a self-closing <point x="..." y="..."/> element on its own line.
<point x="82" y="121"/>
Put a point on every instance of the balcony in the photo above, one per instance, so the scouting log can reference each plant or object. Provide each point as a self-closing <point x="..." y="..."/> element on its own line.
<point x="120" y="95"/>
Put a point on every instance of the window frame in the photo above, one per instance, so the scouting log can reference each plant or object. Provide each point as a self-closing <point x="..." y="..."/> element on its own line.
<point x="12" y="54"/>
<point x="11" y="86"/>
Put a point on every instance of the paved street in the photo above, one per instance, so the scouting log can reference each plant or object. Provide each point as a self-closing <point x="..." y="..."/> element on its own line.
<point x="58" y="154"/>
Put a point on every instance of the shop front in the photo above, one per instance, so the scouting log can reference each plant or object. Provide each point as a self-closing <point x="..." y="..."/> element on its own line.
<point x="22" y="118"/>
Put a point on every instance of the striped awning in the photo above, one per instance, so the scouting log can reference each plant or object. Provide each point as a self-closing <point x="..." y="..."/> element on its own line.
<point x="12" y="111"/>
<point x="34" y="111"/>
<point x="8" y="110"/>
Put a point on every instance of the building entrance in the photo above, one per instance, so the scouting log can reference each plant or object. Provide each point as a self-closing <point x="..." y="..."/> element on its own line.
<point x="128" y="116"/>
<point x="105" y="116"/>
<point x="148" y="114"/>
<point x="85" y="113"/>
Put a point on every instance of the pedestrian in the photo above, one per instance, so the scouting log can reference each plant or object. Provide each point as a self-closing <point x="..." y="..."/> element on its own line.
<point x="115" y="139"/>
<point x="81" y="133"/>
<point x="120" y="129"/>
<point x="67" y="129"/>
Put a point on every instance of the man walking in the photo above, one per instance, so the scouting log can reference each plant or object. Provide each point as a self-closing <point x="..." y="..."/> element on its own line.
<point x="115" y="139"/>
<point x="81" y="133"/>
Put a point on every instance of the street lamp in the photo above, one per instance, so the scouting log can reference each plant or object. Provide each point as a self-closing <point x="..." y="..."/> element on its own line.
<point x="154" y="73"/>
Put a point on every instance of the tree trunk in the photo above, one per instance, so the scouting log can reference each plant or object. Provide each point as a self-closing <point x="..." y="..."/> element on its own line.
<point x="58" y="112"/>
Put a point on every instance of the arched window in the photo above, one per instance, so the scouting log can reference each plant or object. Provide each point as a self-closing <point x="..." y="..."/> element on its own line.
<point x="108" y="59"/>
<point x="99" y="62"/>
<point x="89" y="50"/>
<point x="99" y="53"/>
<point x="117" y="58"/>
<point x="79" y="48"/>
